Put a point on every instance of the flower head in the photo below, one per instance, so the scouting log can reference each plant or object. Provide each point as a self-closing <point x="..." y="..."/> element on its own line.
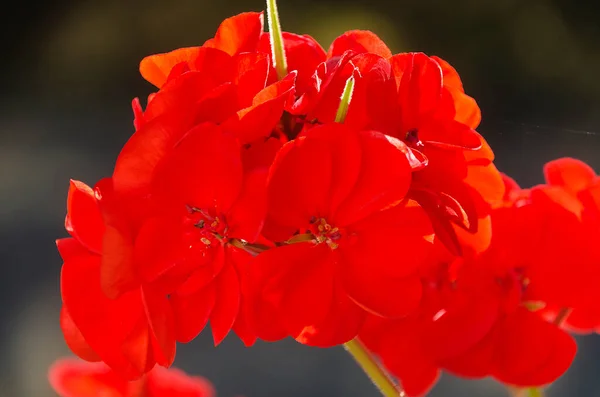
<point x="354" y="241"/>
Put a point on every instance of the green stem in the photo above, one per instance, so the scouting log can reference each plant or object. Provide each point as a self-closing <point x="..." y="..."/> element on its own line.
<point x="277" y="46"/>
<point x="345" y="100"/>
<point x="529" y="392"/>
<point x="369" y="365"/>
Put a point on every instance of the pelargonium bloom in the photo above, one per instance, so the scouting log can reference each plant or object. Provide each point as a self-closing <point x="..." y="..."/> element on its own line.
<point x="117" y="331"/>
<point x="421" y="101"/>
<point x="74" y="378"/>
<point x="477" y="317"/>
<point x="352" y="241"/>
<point x="207" y="208"/>
<point x="567" y="266"/>
<point x="117" y="222"/>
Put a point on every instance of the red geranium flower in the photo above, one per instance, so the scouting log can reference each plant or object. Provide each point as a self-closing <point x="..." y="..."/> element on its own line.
<point x="117" y="331"/>
<point x="207" y="209"/>
<point x="475" y="320"/>
<point x="567" y="268"/>
<point x="132" y="233"/>
<point x="417" y="99"/>
<point x="170" y="268"/>
<point x="361" y="241"/>
<point x="74" y="378"/>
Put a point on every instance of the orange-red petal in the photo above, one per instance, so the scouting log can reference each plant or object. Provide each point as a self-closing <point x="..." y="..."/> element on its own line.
<point x="84" y="220"/>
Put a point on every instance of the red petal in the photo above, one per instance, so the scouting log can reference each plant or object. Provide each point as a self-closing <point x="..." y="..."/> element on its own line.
<point x="393" y="241"/>
<point x="321" y="101"/>
<point x="217" y="106"/>
<point x="250" y="76"/>
<point x="162" y="324"/>
<point x="398" y="344"/>
<point x="379" y="267"/>
<point x="158" y="246"/>
<point x="299" y="182"/>
<point x="156" y="68"/>
<point x="144" y="150"/>
<point x="84" y="220"/>
<point x="451" y="77"/>
<point x="208" y="156"/>
<point x="374" y="98"/>
<point x="200" y="273"/>
<point x="181" y="97"/>
<point x="449" y="135"/>
<point x="75" y="340"/>
<point x="138" y="113"/>
<point x="247" y="215"/>
<point x="260" y="154"/>
<point x="459" y="325"/>
<point x="531" y="351"/>
<point x="440" y="221"/>
<point x="106" y="324"/>
<point x="419" y="79"/>
<point x="303" y="54"/>
<point x="117" y="274"/>
<point x="375" y="190"/>
<point x="242" y="262"/>
<point x="277" y="289"/>
<point x="573" y="174"/>
<point x="259" y="120"/>
<point x="359" y="41"/>
<point x="239" y="33"/>
<point x="263" y="318"/>
<point x="192" y="311"/>
<point x="392" y="298"/>
<point x="308" y="286"/>
<point x="227" y="303"/>
<point x="174" y="382"/>
<point x="477" y="362"/>
<point x="74" y="378"/>
<point x="342" y="323"/>
<point x="466" y="111"/>
<point x="346" y="155"/>
<point x="137" y="347"/>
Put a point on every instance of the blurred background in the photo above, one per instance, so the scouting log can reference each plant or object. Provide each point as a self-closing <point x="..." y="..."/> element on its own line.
<point x="69" y="72"/>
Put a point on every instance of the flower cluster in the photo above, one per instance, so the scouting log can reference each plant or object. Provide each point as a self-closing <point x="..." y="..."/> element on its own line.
<point x="349" y="198"/>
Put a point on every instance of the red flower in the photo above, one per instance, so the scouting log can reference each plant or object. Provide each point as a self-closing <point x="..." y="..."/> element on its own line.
<point x="73" y="378"/>
<point x="477" y="317"/>
<point x="363" y="245"/>
<point x="122" y="332"/>
<point x="207" y="207"/>
<point x="166" y="262"/>
<point x="420" y="100"/>
<point x="567" y="267"/>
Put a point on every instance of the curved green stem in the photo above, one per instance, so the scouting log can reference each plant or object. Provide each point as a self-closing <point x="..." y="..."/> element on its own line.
<point x="277" y="45"/>
<point x="374" y="371"/>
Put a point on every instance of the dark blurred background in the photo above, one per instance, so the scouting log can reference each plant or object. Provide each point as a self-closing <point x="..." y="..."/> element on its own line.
<point x="69" y="72"/>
